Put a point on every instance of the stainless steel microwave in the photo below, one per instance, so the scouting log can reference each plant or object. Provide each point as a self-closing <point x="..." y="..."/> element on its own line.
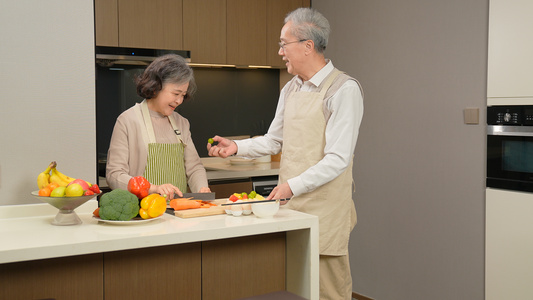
<point x="510" y="147"/>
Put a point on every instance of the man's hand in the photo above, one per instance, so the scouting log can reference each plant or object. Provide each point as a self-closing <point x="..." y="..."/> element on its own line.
<point x="282" y="191"/>
<point x="223" y="149"/>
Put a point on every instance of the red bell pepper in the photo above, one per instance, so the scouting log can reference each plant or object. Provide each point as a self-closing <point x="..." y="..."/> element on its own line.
<point x="139" y="186"/>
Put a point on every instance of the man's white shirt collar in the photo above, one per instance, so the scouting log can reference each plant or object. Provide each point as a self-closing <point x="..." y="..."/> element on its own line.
<point x="317" y="79"/>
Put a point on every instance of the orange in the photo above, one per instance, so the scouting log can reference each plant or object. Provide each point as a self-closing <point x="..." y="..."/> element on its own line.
<point x="45" y="192"/>
<point x="53" y="185"/>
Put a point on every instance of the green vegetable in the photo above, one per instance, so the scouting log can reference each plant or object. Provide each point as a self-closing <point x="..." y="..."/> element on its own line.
<point x="119" y="205"/>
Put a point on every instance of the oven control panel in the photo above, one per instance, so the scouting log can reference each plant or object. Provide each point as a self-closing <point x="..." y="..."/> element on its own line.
<point x="515" y="115"/>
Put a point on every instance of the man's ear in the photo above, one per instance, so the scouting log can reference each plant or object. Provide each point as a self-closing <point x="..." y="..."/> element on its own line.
<point x="309" y="46"/>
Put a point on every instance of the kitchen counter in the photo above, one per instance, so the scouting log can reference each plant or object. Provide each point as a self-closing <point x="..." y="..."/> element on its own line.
<point x="27" y="234"/>
<point x="222" y="168"/>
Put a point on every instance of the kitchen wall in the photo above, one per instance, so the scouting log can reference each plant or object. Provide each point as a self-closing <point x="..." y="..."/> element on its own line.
<point x="419" y="170"/>
<point x="47" y="84"/>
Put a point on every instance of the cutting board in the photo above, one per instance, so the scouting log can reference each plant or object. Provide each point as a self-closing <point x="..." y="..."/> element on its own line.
<point x="201" y="212"/>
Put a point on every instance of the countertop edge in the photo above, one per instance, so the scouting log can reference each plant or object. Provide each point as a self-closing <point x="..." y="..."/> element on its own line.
<point x="92" y="237"/>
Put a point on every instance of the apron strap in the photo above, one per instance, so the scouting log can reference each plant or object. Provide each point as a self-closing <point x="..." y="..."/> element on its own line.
<point x="148" y="122"/>
<point x="144" y="132"/>
<point x="150" y="128"/>
<point x="176" y="130"/>
<point x="328" y="82"/>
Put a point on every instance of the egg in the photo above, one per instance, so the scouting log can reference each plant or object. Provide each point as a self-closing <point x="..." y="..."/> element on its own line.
<point x="236" y="210"/>
<point x="228" y="208"/>
<point x="246" y="209"/>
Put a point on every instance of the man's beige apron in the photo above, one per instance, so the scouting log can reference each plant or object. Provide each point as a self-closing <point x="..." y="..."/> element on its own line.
<point x="304" y="140"/>
<point x="165" y="162"/>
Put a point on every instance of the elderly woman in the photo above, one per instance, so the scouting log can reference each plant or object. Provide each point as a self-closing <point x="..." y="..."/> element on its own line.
<point x="150" y="139"/>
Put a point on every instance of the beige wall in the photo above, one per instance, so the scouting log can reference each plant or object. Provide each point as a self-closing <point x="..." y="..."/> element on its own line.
<point x="48" y="90"/>
<point x="419" y="170"/>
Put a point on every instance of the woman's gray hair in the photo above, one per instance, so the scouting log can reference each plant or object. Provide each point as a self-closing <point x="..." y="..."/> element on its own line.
<point x="309" y="24"/>
<point x="169" y="68"/>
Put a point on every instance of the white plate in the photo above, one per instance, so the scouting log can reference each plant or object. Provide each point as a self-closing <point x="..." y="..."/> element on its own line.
<point x="134" y="221"/>
<point x="241" y="161"/>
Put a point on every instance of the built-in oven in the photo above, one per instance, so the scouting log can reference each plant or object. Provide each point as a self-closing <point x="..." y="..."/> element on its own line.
<point x="510" y="147"/>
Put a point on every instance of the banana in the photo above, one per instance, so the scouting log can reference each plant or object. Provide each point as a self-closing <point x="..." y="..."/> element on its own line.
<point x="54" y="177"/>
<point x="63" y="177"/>
<point x="43" y="179"/>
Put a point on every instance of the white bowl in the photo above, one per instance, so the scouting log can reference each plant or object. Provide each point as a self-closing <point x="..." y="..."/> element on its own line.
<point x="265" y="210"/>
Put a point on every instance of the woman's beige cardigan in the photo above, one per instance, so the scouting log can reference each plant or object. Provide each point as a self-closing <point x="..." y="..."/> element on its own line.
<point x="128" y="149"/>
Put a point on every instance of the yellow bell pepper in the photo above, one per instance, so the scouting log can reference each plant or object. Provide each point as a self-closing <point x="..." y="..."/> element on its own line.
<point x="152" y="206"/>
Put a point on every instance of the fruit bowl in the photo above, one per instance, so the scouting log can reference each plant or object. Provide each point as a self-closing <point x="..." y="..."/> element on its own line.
<point x="66" y="206"/>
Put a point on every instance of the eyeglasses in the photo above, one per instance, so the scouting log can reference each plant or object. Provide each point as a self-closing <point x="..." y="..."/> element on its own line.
<point x="283" y="44"/>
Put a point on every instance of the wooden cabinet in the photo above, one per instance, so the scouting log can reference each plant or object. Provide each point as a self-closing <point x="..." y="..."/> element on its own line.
<point x="106" y="22"/>
<point x="243" y="267"/>
<point x="204" y="30"/>
<point x="254" y="27"/>
<point x="510" y="63"/>
<point x="75" y="277"/>
<point x="167" y="272"/>
<point x="239" y="32"/>
<point x="153" y="24"/>
<point x="220" y="269"/>
<point x="246" y="37"/>
<point x="150" y="24"/>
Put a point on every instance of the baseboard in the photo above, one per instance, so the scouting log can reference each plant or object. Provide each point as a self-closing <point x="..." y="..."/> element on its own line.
<point x="358" y="296"/>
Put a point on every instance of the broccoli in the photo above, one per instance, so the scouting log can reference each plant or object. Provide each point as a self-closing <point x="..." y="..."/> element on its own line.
<point x="118" y="205"/>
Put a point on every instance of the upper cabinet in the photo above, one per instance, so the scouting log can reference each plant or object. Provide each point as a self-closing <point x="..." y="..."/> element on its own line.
<point x="150" y="24"/>
<point x="106" y="22"/>
<point x="246" y="39"/>
<point x="237" y="32"/>
<point x="510" y="59"/>
<point x="204" y="30"/>
<point x="155" y="24"/>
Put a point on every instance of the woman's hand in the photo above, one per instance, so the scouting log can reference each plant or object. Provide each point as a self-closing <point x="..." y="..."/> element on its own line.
<point x="167" y="190"/>
<point x="281" y="191"/>
<point x="205" y="190"/>
<point x="223" y="149"/>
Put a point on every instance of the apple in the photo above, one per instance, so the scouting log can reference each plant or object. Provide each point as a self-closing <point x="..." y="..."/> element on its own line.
<point x="81" y="182"/>
<point x="74" y="190"/>
<point x="58" y="192"/>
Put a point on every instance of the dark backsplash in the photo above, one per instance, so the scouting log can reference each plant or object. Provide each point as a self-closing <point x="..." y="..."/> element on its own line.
<point x="231" y="102"/>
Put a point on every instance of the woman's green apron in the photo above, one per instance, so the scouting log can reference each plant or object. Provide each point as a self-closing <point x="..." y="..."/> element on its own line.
<point x="165" y="163"/>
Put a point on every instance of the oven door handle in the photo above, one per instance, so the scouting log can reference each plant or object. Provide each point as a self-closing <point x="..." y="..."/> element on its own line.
<point x="510" y="130"/>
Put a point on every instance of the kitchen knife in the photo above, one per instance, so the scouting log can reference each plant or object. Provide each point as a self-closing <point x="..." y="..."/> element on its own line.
<point x="199" y="196"/>
<point x="258" y="201"/>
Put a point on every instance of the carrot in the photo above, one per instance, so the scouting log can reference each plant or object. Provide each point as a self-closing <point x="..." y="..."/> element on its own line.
<point x="181" y="204"/>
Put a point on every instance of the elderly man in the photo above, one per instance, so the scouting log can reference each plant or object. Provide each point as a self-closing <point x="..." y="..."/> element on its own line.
<point x="316" y="127"/>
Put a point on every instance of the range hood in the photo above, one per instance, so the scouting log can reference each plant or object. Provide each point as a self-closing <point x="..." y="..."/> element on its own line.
<point x="109" y="56"/>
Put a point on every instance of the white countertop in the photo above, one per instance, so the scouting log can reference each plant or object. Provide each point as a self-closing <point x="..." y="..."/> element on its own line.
<point x="27" y="232"/>
<point x="220" y="168"/>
